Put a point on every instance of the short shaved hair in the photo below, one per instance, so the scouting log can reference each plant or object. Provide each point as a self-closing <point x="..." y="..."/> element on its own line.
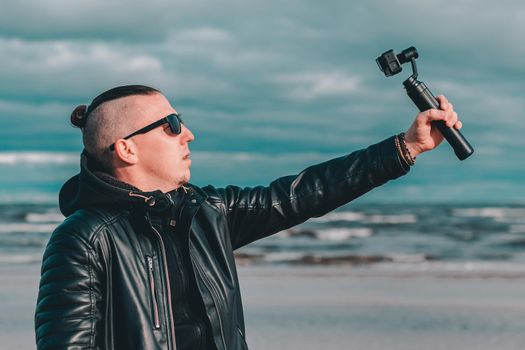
<point x="102" y="123"/>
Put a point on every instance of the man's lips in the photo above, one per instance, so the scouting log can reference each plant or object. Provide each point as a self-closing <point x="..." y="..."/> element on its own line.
<point x="187" y="156"/>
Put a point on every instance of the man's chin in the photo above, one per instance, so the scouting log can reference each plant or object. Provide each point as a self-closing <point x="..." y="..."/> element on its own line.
<point x="185" y="179"/>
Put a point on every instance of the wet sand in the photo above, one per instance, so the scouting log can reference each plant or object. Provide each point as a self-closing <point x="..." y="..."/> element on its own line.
<point x="341" y="308"/>
<point x="338" y="308"/>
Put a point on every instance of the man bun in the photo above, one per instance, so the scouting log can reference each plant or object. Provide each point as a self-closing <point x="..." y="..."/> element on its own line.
<point x="81" y="113"/>
<point x="79" y="116"/>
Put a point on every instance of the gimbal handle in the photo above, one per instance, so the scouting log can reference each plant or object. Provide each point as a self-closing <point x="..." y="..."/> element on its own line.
<point x="424" y="100"/>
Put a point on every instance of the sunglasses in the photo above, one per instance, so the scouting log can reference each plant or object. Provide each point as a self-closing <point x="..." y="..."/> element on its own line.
<point x="173" y="120"/>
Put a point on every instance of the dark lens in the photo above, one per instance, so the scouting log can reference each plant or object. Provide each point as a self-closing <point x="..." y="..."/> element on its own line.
<point x="175" y="122"/>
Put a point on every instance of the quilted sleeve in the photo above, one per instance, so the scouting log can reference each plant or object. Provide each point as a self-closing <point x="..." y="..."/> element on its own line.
<point x="69" y="304"/>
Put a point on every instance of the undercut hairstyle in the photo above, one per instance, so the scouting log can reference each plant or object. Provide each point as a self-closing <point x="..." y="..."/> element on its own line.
<point x="101" y="122"/>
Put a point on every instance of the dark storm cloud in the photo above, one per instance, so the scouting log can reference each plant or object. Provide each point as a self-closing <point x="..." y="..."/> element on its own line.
<point x="273" y="75"/>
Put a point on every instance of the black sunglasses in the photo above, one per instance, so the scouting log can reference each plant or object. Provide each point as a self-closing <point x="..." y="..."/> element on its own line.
<point x="173" y="120"/>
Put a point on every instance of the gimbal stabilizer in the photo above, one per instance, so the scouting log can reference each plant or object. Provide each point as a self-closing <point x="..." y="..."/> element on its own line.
<point x="390" y="64"/>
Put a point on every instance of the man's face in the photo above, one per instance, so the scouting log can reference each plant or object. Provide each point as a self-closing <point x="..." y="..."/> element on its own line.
<point x="163" y="157"/>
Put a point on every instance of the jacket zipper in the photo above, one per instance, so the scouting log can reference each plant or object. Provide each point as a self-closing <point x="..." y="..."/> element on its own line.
<point x="187" y="310"/>
<point x="184" y="284"/>
<point x="169" y="198"/>
<point x="215" y="299"/>
<point x="170" y="310"/>
<point x="153" y="292"/>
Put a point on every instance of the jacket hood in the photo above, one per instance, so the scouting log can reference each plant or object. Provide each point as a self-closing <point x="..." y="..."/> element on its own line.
<point x="92" y="188"/>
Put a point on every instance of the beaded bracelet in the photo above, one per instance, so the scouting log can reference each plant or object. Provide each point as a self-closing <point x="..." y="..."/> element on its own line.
<point x="399" y="150"/>
<point x="403" y="150"/>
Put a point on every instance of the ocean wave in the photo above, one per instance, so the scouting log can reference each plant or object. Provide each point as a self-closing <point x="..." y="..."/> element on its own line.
<point x="20" y="258"/>
<point x="342" y="234"/>
<point x="213" y="156"/>
<point x="209" y="157"/>
<point x="351" y="216"/>
<point x="517" y="229"/>
<point x="299" y="258"/>
<point x="27" y="228"/>
<point x="46" y="217"/>
<point x="22" y="243"/>
<point x="327" y="234"/>
<point x="340" y="216"/>
<point x="11" y="158"/>
<point x="28" y="198"/>
<point x="417" y="264"/>
<point x="408" y="258"/>
<point x="283" y="256"/>
<point x="391" y="219"/>
<point x="490" y="212"/>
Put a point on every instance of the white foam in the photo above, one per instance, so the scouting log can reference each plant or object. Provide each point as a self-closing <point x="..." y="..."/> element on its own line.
<point x="33" y="197"/>
<point x="517" y="229"/>
<point x="343" y="234"/>
<point x="391" y="219"/>
<point x="47" y="217"/>
<point x="283" y="256"/>
<point x="371" y="219"/>
<point x="340" y="216"/>
<point x="11" y="158"/>
<point x="20" y="258"/>
<point x="31" y="228"/>
<point x="408" y="258"/>
<point x="490" y="212"/>
<point x="285" y="233"/>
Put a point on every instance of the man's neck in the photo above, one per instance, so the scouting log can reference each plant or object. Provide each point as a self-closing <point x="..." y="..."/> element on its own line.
<point x="144" y="182"/>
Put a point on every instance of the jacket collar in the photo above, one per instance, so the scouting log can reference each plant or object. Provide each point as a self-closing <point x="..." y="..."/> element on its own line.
<point x="92" y="188"/>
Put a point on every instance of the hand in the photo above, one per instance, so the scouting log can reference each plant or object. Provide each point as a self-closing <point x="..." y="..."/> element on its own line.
<point x="422" y="136"/>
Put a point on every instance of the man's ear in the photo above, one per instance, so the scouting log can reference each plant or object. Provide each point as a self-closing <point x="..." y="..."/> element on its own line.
<point x="126" y="151"/>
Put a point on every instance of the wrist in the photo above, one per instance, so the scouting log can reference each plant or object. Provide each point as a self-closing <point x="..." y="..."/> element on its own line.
<point x="412" y="145"/>
<point x="412" y="148"/>
<point x="404" y="151"/>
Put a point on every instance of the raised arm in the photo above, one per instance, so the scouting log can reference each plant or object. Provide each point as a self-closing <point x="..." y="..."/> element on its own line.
<point x="254" y="213"/>
<point x="257" y="212"/>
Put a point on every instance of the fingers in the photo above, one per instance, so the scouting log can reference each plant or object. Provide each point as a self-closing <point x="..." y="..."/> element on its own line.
<point x="446" y="113"/>
<point x="444" y="104"/>
<point x="449" y="117"/>
<point x="433" y="115"/>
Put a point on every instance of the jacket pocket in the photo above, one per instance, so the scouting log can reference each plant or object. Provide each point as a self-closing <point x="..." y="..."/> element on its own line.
<point x="153" y="292"/>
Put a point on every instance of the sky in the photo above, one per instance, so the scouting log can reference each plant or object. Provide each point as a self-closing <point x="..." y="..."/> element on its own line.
<point x="269" y="87"/>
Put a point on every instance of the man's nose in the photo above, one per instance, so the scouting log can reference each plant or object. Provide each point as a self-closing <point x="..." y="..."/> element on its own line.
<point x="187" y="134"/>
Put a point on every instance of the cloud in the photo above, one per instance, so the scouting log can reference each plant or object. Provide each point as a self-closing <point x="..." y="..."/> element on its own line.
<point x="217" y="50"/>
<point x="131" y="20"/>
<point x="296" y="64"/>
<point x="16" y="108"/>
<point x="207" y="35"/>
<point x="65" y="69"/>
<point x="479" y="32"/>
<point x="272" y="76"/>
<point x="311" y="85"/>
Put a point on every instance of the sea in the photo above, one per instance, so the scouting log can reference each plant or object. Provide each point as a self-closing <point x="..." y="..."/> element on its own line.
<point x="478" y="237"/>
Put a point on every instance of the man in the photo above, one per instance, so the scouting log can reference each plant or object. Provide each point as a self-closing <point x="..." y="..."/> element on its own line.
<point x="144" y="260"/>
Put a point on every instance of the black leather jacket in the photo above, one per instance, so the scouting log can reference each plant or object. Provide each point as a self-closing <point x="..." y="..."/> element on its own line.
<point x="104" y="281"/>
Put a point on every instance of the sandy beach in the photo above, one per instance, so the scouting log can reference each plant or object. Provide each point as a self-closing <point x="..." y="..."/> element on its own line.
<point x="338" y="308"/>
<point x="342" y="308"/>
